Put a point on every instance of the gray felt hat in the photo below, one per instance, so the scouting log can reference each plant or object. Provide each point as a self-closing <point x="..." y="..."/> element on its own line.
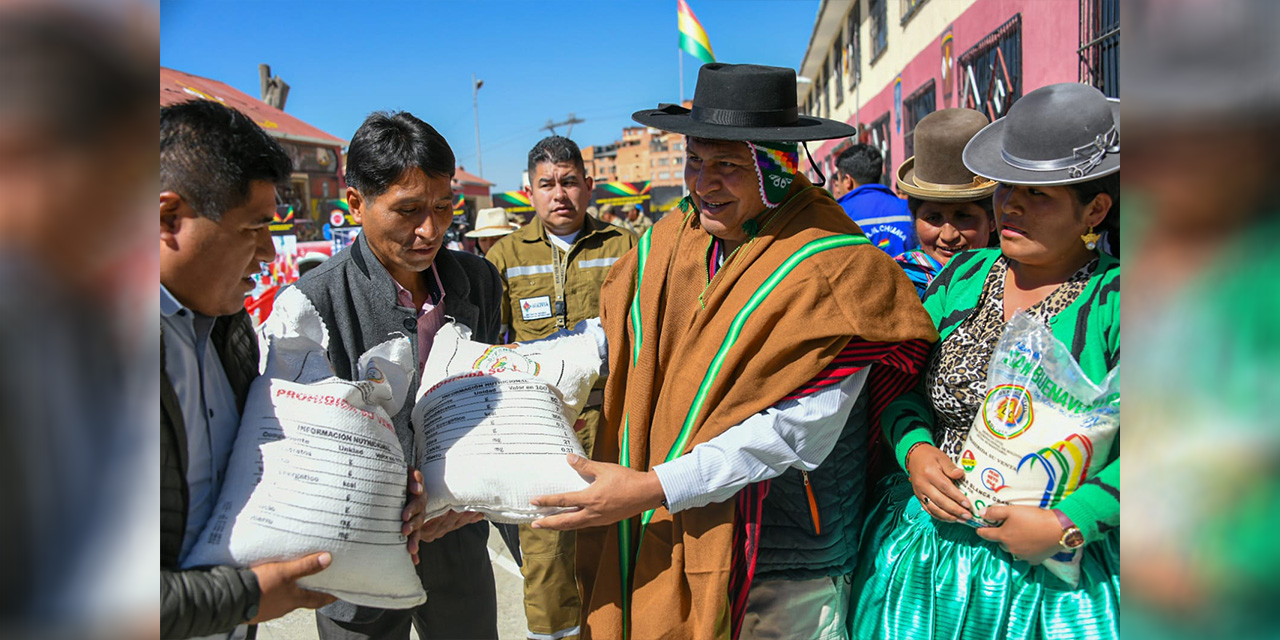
<point x="1060" y="134"/>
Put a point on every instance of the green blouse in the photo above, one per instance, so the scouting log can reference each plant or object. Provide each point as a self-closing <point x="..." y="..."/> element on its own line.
<point x="1090" y="326"/>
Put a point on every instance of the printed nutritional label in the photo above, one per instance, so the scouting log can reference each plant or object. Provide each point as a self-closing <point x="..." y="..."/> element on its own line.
<point x="318" y="480"/>
<point x="488" y="415"/>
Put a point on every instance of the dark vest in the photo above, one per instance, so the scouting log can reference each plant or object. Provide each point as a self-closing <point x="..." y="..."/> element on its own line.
<point x="790" y="549"/>
<point x="356" y="299"/>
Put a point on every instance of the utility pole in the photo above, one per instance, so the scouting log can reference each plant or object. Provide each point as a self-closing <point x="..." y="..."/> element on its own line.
<point x="475" y="105"/>
<point x="551" y="126"/>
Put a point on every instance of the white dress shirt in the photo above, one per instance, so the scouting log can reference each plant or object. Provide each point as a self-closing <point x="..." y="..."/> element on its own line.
<point x="796" y="433"/>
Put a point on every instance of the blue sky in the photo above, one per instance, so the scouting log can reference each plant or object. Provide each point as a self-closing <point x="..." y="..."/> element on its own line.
<point x="539" y="60"/>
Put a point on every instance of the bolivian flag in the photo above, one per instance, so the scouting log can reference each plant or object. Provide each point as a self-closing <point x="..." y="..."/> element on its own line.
<point x="693" y="39"/>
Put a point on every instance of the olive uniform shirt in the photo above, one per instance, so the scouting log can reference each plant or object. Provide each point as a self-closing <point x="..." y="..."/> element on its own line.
<point x="526" y="261"/>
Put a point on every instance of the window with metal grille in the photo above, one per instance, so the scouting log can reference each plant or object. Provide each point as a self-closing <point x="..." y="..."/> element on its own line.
<point x="1100" y="45"/>
<point x="837" y="67"/>
<point x="878" y="10"/>
<point x="920" y="103"/>
<point x="853" y="48"/>
<point x="990" y="72"/>
<point x="877" y="135"/>
<point x="909" y="8"/>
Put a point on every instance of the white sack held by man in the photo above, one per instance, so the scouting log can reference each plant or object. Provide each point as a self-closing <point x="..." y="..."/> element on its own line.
<point x="317" y="466"/>
<point x="494" y="423"/>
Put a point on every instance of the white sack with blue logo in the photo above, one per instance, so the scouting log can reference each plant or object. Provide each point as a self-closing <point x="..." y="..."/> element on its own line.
<point x="1043" y="430"/>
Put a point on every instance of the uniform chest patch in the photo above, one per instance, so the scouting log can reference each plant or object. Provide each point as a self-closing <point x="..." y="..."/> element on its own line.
<point x="535" y="308"/>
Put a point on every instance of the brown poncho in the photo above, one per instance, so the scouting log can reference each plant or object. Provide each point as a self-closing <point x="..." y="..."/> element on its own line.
<point x="689" y="359"/>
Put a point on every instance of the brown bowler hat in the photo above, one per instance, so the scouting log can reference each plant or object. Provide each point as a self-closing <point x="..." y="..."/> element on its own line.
<point x="937" y="171"/>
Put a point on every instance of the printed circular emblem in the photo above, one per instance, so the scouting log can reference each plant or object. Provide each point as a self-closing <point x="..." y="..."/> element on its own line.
<point x="499" y="359"/>
<point x="1007" y="411"/>
<point x="336" y="218"/>
<point x="992" y="479"/>
<point x="374" y="375"/>
<point x="967" y="461"/>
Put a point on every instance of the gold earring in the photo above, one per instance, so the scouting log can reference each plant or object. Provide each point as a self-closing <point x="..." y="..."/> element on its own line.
<point x="1090" y="239"/>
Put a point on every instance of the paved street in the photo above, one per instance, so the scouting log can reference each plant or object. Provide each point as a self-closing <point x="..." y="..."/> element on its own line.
<point x="301" y="625"/>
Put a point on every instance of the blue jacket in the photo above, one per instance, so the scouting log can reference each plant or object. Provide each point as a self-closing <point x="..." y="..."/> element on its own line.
<point x="883" y="217"/>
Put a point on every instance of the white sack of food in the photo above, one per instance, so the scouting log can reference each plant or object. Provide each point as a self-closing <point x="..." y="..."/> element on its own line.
<point x="494" y="423"/>
<point x="316" y="466"/>
<point x="1043" y="430"/>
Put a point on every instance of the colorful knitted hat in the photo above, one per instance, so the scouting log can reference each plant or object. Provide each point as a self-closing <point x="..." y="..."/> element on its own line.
<point x="776" y="166"/>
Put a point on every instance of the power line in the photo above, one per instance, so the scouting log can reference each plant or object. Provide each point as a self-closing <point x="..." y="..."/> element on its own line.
<point x="551" y="126"/>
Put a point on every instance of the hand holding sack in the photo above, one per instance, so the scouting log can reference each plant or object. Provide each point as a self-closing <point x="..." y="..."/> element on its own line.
<point x="317" y="466"/>
<point x="1044" y="428"/>
<point x="494" y="423"/>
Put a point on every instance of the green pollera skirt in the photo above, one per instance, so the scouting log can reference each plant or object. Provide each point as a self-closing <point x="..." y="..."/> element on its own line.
<point x="922" y="579"/>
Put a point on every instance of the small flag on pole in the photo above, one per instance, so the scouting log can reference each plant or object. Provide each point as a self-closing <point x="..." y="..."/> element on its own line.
<point x="693" y="39"/>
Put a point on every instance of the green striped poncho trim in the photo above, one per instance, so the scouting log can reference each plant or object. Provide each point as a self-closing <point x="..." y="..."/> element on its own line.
<point x="626" y="553"/>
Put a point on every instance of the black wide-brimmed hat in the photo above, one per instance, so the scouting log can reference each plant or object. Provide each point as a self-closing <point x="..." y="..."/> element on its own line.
<point x="936" y="173"/>
<point x="743" y="102"/>
<point x="1060" y="134"/>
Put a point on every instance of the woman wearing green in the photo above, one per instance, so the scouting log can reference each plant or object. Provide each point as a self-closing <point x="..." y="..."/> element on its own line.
<point x="924" y="573"/>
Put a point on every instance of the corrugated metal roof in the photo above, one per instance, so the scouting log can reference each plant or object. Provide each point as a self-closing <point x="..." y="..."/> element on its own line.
<point x="470" y="178"/>
<point x="178" y="86"/>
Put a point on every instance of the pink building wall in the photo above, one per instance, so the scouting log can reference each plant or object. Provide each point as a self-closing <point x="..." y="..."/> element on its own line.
<point x="1050" y="37"/>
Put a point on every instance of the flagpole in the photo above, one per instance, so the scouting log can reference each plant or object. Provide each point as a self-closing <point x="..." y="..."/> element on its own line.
<point x="680" y="56"/>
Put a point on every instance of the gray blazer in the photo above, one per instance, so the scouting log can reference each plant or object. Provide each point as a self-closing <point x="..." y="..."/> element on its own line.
<point x="356" y="298"/>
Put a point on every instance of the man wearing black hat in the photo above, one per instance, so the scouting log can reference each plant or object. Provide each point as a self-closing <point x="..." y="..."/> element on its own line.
<point x="741" y="337"/>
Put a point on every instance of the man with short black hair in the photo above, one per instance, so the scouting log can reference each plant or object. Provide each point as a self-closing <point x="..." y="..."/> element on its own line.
<point x="553" y="269"/>
<point x="397" y="277"/>
<point x="883" y="216"/>
<point x="218" y="178"/>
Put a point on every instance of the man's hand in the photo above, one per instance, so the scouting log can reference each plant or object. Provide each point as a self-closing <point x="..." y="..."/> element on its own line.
<point x="1029" y="533"/>
<point x="616" y="493"/>
<point x="438" y="526"/>
<point x="933" y="479"/>
<point x="278" y="582"/>
<point x="414" y="512"/>
<point x="418" y="528"/>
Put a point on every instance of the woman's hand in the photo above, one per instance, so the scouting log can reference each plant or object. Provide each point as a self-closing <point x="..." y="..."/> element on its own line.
<point x="1029" y="533"/>
<point x="933" y="479"/>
